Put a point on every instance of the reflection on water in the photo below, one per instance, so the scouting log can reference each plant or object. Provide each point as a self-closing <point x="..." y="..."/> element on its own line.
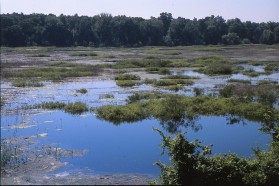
<point x="130" y="148"/>
<point x="126" y="148"/>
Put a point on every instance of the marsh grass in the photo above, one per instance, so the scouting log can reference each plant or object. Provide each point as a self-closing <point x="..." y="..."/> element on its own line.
<point x="82" y="91"/>
<point x="179" y="76"/>
<point x="39" y="55"/>
<point x="251" y="73"/>
<point x="239" y="81"/>
<point x="127" y="83"/>
<point x="172" y="52"/>
<point x="127" y="77"/>
<point x="171" y="82"/>
<point x="272" y="67"/>
<point x="23" y="82"/>
<point x="84" y="54"/>
<point x="217" y="69"/>
<point x="177" y="107"/>
<point x="72" y="108"/>
<point x="58" y="72"/>
<point x="106" y="96"/>
<point x="76" y="108"/>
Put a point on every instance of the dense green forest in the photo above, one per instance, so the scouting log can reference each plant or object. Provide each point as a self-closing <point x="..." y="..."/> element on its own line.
<point x="107" y="30"/>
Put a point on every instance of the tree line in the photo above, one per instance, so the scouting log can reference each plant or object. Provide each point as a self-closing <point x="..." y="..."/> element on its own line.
<point x="107" y="30"/>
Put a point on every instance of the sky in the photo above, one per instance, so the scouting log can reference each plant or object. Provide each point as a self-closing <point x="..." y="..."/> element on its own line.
<point x="246" y="10"/>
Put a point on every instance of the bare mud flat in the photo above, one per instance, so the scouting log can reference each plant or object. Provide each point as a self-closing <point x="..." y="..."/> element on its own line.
<point x="40" y="162"/>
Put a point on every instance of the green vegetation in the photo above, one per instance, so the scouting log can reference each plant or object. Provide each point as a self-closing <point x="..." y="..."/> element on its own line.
<point x="55" y="71"/>
<point x="266" y="93"/>
<point x="12" y="154"/>
<point x="179" y="77"/>
<point x="189" y="107"/>
<point x="127" y="77"/>
<point x="239" y="81"/>
<point x="81" y="54"/>
<point x="127" y="80"/>
<point x="169" y="82"/>
<point x="272" y="67"/>
<point x="172" y="52"/>
<point x="39" y="55"/>
<point x="132" y="31"/>
<point x="265" y="82"/>
<point x="76" y="108"/>
<point x="217" y="69"/>
<point x="127" y="83"/>
<point x="82" y="90"/>
<point x="72" y="108"/>
<point x="106" y="96"/>
<point x="251" y="73"/>
<point x="193" y="164"/>
<point x="27" y="83"/>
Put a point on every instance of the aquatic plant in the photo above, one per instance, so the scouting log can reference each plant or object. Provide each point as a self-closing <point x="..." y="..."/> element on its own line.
<point x="179" y="76"/>
<point x="106" y="96"/>
<point x="239" y="81"/>
<point x="172" y="52"/>
<point x="127" y="77"/>
<point x="27" y="83"/>
<point x="84" y="54"/>
<point x="76" y="108"/>
<point x="217" y="69"/>
<point x="82" y="90"/>
<point x="39" y="55"/>
<point x="127" y="83"/>
<point x="55" y="73"/>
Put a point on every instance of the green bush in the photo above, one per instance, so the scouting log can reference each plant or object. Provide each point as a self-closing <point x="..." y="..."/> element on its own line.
<point x="127" y="83"/>
<point x="193" y="164"/>
<point x="76" y="108"/>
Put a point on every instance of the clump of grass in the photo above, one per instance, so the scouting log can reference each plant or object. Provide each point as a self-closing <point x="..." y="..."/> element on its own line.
<point x="118" y="114"/>
<point x="108" y="56"/>
<point x="272" y="67"/>
<point x="177" y="107"/>
<point x="127" y="77"/>
<point x="172" y="52"/>
<point x="179" y="76"/>
<point x="151" y="57"/>
<point x="170" y="82"/>
<point x="81" y="54"/>
<point x="82" y="91"/>
<point x="72" y="108"/>
<point x="127" y="83"/>
<point x="56" y="73"/>
<point x="267" y="82"/>
<point x="27" y="83"/>
<point x="106" y="96"/>
<point x="39" y="55"/>
<point x="51" y="105"/>
<point x="153" y="51"/>
<point x="157" y="70"/>
<point x="76" y="108"/>
<point x="145" y="96"/>
<point x="149" y="81"/>
<point x="198" y="91"/>
<point x="251" y="73"/>
<point x="217" y="69"/>
<point x="239" y="81"/>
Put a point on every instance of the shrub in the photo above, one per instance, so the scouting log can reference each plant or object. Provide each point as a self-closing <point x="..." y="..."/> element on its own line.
<point x="76" y="108"/>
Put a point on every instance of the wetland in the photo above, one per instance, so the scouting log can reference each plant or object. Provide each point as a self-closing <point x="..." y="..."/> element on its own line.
<point x="85" y="115"/>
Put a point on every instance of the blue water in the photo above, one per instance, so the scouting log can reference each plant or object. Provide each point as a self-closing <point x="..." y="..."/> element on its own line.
<point x="129" y="147"/>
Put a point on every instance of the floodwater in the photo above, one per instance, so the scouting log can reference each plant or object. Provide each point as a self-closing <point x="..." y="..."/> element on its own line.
<point x="128" y="148"/>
